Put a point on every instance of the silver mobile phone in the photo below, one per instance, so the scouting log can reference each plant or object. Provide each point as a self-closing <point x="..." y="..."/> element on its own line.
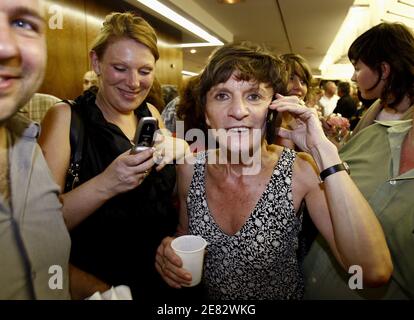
<point x="144" y="135"/>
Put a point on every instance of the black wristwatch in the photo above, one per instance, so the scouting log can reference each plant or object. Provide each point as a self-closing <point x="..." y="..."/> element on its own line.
<point x="336" y="168"/>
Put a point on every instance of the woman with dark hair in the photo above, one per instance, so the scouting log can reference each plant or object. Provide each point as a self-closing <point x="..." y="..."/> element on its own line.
<point x="299" y="83"/>
<point x="384" y="60"/>
<point x="300" y="75"/>
<point x="381" y="160"/>
<point x="192" y="117"/>
<point x="244" y="197"/>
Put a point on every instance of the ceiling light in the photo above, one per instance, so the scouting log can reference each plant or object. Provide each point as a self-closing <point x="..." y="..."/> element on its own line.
<point x="399" y="11"/>
<point x="229" y="1"/>
<point x="188" y="73"/>
<point x="194" y="44"/>
<point x="193" y="51"/>
<point x="356" y="22"/>
<point x="407" y="2"/>
<point x="181" y="21"/>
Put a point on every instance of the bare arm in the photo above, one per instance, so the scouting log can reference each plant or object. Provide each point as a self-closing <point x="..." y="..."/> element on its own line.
<point x="83" y="284"/>
<point x="184" y="176"/>
<point x="339" y="210"/>
<point x="167" y="263"/>
<point x="54" y="141"/>
<point x="123" y="174"/>
<point x="347" y="222"/>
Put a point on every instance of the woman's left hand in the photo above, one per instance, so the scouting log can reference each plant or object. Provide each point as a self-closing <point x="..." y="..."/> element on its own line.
<point x="169" y="149"/>
<point x="307" y="132"/>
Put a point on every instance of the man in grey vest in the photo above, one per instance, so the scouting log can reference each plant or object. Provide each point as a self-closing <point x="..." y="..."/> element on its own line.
<point x="34" y="242"/>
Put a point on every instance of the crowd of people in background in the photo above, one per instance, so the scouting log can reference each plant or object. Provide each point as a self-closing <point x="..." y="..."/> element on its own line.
<point x="332" y="188"/>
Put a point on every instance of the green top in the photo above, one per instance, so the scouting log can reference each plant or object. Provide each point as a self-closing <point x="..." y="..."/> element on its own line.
<point x="374" y="157"/>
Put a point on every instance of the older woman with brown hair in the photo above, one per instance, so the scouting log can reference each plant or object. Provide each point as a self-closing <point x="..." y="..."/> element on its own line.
<point x="248" y="210"/>
<point x="120" y="208"/>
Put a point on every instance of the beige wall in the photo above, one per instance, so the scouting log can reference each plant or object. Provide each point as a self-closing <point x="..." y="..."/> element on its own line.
<point x="68" y="47"/>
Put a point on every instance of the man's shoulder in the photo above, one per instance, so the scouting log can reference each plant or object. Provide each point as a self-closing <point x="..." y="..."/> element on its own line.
<point x="21" y="126"/>
<point x="323" y="98"/>
<point x="347" y="97"/>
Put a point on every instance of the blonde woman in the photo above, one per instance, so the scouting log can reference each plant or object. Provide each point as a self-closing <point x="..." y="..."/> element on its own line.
<point x="120" y="209"/>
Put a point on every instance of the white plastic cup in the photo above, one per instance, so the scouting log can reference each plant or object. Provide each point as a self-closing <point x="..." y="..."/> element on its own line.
<point x="191" y="250"/>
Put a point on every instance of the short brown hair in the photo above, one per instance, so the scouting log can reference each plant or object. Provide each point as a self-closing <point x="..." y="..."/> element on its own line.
<point x="392" y="43"/>
<point x="296" y="64"/>
<point x="125" y="25"/>
<point x="252" y="63"/>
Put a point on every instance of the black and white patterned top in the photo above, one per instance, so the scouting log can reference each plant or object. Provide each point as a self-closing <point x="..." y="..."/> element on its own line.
<point x="260" y="260"/>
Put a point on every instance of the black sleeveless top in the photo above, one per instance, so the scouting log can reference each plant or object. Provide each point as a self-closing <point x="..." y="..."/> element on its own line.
<point x="118" y="242"/>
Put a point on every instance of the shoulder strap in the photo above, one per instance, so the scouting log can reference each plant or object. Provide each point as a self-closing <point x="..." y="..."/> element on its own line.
<point x="143" y="110"/>
<point x="76" y="136"/>
<point x="76" y="131"/>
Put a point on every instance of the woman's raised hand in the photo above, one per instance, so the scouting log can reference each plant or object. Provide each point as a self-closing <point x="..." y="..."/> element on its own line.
<point x="306" y="132"/>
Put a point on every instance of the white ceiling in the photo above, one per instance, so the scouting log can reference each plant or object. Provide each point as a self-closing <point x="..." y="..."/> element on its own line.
<point x="306" y="27"/>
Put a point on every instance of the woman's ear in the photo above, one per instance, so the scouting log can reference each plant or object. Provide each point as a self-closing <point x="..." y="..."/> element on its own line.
<point x="207" y="119"/>
<point x="95" y="62"/>
<point x="385" y="69"/>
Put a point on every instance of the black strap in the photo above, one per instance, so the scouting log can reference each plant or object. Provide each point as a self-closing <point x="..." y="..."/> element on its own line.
<point x="334" y="169"/>
<point x="76" y="136"/>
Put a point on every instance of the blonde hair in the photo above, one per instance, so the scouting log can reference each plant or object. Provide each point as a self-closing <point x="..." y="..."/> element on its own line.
<point x="125" y="25"/>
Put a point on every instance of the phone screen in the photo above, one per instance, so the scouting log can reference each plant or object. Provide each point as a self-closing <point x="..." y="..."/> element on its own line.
<point x="144" y="135"/>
